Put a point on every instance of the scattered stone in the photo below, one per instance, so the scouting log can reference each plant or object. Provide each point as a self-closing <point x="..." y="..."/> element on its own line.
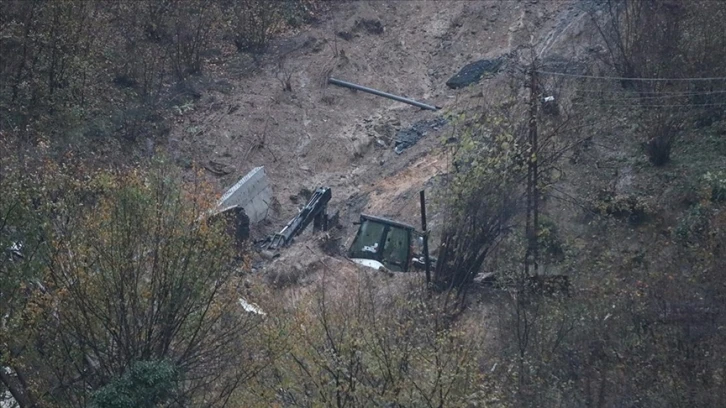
<point x="347" y="36"/>
<point x="372" y="26"/>
<point x="319" y="46"/>
<point x="406" y="138"/>
<point x="474" y="72"/>
<point x="384" y="130"/>
<point x="269" y="255"/>
<point x="219" y="169"/>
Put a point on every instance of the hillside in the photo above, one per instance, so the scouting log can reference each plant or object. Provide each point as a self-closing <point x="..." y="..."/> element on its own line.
<point x="317" y="134"/>
<point x="576" y="203"/>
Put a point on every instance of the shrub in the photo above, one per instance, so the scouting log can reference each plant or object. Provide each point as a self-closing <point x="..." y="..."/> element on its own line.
<point x="631" y="207"/>
<point x="145" y="384"/>
<point x="253" y="23"/>
<point x="661" y="134"/>
<point x="550" y="241"/>
<point x="693" y="224"/>
<point x="715" y="184"/>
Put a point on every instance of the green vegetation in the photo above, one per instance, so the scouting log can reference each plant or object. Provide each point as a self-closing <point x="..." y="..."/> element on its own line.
<point x="120" y="269"/>
<point x="145" y="384"/>
<point x="111" y="69"/>
<point x="606" y="271"/>
<point x="716" y="183"/>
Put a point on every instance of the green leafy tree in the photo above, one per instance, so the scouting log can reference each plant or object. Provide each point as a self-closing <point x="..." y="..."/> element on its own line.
<point x="145" y="384"/>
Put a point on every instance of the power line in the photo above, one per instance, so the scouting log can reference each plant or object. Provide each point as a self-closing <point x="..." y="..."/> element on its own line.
<point x="649" y="106"/>
<point x="629" y="79"/>
<point x="674" y="93"/>
<point x="650" y="99"/>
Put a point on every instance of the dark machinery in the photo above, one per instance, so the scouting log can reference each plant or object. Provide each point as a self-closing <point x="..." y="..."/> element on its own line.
<point x="386" y="243"/>
<point x="379" y="242"/>
<point x="314" y="211"/>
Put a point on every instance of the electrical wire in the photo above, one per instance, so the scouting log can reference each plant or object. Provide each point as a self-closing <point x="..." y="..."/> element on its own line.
<point x="649" y="106"/>
<point x="613" y="102"/>
<point x="606" y="95"/>
<point x="654" y="92"/>
<point x="615" y="78"/>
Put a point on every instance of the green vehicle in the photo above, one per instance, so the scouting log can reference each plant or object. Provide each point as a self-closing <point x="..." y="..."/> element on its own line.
<point x="381" y="242"/>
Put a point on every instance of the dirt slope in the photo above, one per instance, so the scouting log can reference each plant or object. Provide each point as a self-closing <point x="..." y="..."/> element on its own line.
<point x="315" y="134"/>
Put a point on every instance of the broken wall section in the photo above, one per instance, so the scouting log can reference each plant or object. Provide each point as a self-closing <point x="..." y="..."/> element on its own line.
<point x="253" y="193"/>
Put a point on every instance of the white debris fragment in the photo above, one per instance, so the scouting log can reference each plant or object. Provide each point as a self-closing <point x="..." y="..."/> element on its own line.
<point x="251" y="307"/>
<point x="549" y="98"/>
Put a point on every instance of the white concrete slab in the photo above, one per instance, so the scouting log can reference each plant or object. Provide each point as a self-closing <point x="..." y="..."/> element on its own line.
<point x="253" y="193"/>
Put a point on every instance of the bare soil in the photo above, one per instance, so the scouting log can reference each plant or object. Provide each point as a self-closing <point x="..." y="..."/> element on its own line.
<point x="312" y="134"/>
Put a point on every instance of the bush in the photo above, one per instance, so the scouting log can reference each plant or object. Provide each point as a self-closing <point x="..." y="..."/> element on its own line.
<point x="693" y="224"/>
<point x="715" y="184"/>
<point x="631" y="207"/>
<point x="253" y="23"/>
<point x="661" y="134"/>
<point x="145" y="385"/>
<point x="550" y="241"/>
<point x="367" y="348"/>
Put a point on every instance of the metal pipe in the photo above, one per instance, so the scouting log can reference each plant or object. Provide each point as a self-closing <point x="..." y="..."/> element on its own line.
<point x="350" y="85"/>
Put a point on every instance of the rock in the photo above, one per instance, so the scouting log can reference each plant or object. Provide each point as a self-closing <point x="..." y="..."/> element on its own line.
<point x="269" y="255"/>
<point x="372" y="26"/>
<point x="406" y="138"/>
<point x="219" y="169"/>
<point x="473" y="72"/>
<point x="385" y="130"/>
<point x="345" y="35"/>
<point x="359" y="145"/>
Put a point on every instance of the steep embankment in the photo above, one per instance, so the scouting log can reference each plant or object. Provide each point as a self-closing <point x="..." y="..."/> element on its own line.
<point x="312" y="134"/>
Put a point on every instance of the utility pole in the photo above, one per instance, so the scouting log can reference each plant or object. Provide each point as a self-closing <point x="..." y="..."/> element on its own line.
<point x="425" y="239"/>
<point x="531" y="257"/>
